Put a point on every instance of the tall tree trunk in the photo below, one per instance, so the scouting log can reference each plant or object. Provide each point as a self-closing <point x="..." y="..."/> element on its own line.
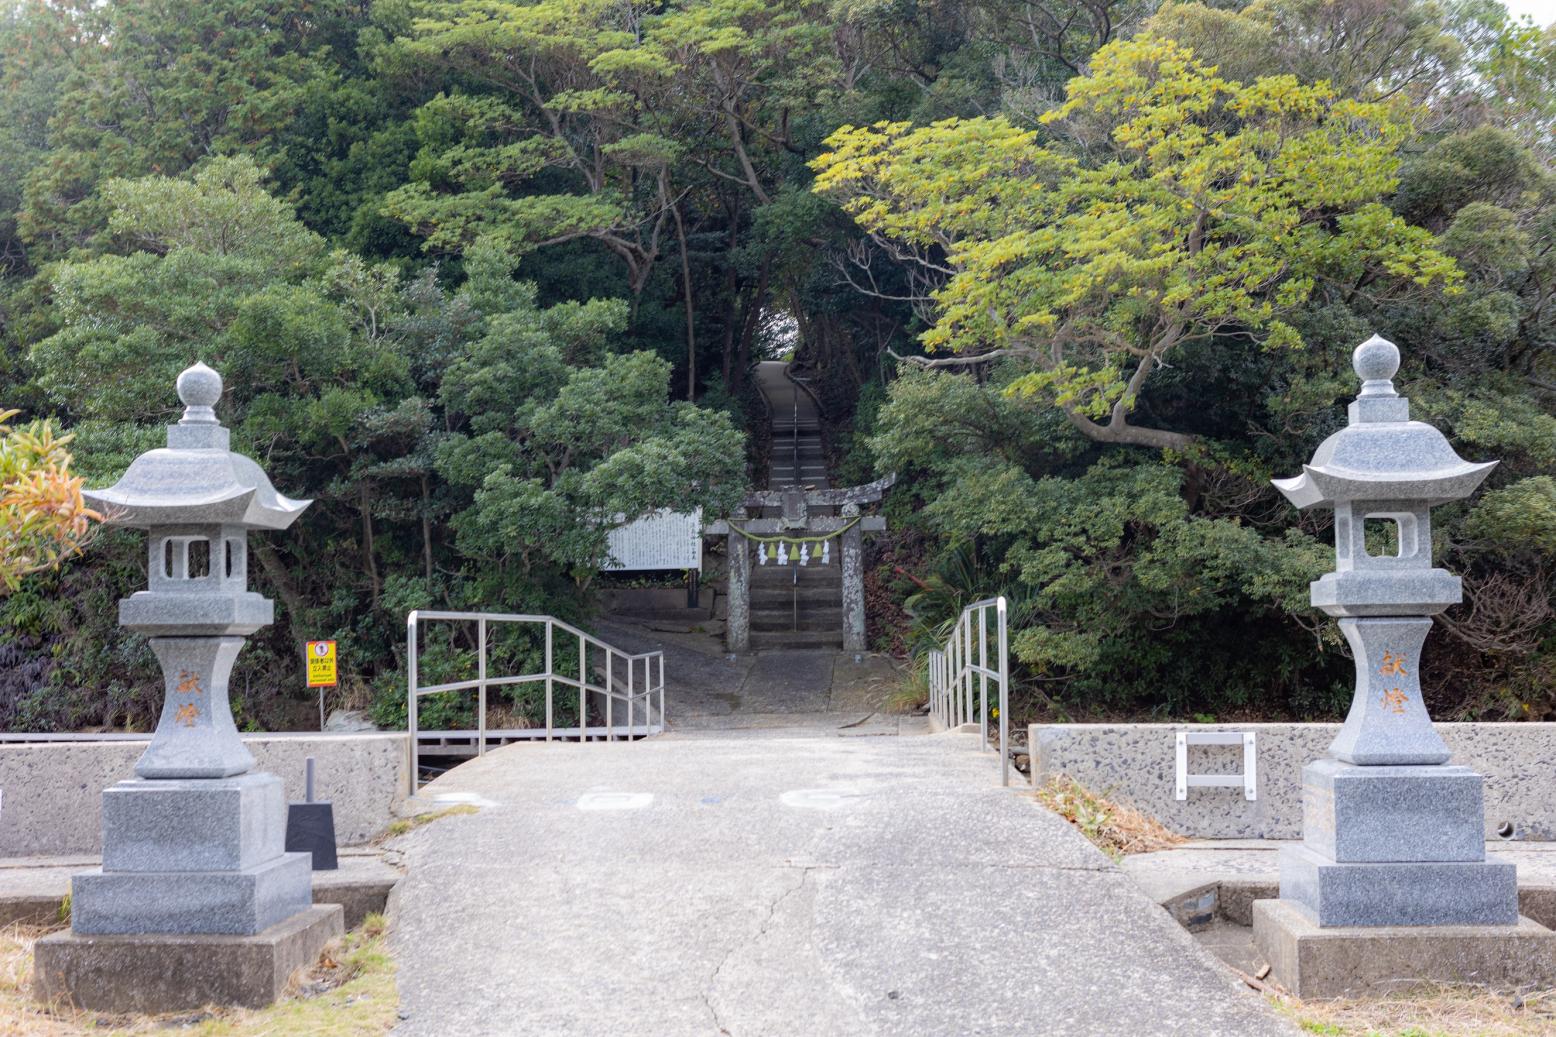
<point x="686" y="286"/>
<point x="285" y="588"/>
<point x="756" y="302"/>
<point x="426" y="528"/>
<point x="734" y="375"/>
<point x="367" y="543"/>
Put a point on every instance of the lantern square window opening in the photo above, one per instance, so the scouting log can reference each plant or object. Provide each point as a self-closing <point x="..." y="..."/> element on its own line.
<point x="1382" y="535"/>
<point x="1391" y="535"/>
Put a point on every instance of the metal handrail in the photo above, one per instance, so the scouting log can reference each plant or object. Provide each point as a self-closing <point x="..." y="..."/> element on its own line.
<point x="653" y="678"/>
<point x="952" y="670"/>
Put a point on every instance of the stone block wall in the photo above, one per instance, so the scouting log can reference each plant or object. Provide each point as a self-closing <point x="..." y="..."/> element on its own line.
<point x="52" y="804"/>
<point x="1136" y="764"/>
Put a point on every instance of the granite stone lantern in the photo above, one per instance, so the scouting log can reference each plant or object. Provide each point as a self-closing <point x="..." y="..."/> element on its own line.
<point x="193" y="845"/>
<point x="1393" y="834"/>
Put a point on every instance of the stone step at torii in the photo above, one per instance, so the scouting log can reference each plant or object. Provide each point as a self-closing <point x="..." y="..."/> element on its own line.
<point x="797" y="521"/>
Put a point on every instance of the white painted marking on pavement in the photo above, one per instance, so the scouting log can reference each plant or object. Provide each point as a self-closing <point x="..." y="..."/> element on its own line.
<point x="614" y="800"/>
<point x="471" y="798"/>
<point x="815" y="799"/>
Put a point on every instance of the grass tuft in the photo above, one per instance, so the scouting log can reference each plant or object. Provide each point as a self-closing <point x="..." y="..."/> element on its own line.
<point x="1116" y="829"/>
<point x="400" y="826"/>
<point x="910" y="696"/>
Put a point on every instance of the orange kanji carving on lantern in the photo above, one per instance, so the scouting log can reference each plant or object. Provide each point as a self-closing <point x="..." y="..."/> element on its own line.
<point x="187" y="714"/>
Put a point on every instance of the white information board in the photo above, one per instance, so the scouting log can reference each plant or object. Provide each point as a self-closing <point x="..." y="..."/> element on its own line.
<point x="664" y="540"/>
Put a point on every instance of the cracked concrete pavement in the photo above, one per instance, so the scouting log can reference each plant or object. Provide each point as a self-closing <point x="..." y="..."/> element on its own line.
<point x="794" y="886"/>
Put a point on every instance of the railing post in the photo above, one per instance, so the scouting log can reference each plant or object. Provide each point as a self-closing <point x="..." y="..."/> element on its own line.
<point x="946" y="668"/>
<point x="410" y="705"/>
<point x="662" y="725"/>
<point x="583" y="701"/>
<point x="610" y="695"/>
<point x="967" y="676"/>
<point x="1001" y="621"/>
<point x="929" y="681"/>
<point x="632" y="672"/>
<point x="983" y="677"/>
<point x="945" y="718"/>
<point x="959" y="682"/>
<point x="962" y="712"/>
<point x="953" y="679"/>
<point x="940" y="672"/>
<point x="548" y="679"/>
<point x="939" y="688"/>
<point x="480" y="689"/>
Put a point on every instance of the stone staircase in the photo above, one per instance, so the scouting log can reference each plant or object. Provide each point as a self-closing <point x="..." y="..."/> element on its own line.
<point x="797" y="458"/>
<point x="795" y="606"/>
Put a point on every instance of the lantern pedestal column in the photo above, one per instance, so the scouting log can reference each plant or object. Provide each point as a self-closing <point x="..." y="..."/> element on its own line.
<point x="195" y="736"/>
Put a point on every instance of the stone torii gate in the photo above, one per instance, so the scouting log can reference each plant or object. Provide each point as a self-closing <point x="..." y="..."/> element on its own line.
<point x="796" y="520"/>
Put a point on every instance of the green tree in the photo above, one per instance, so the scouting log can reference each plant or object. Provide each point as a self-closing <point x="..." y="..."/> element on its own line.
<point x="464" y="447"/>
<point x="155" y="86"/>
<point x="1185" y="206"/>
<point x="558" y="439"/>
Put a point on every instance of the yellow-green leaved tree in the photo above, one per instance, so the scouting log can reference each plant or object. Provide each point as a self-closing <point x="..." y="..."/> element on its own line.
<point x="43" y="519"/>
<point x="1160" y="204"/>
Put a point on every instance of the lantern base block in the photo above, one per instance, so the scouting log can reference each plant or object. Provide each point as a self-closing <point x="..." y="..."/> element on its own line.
<point x="177" y="973"/>
<point x="193" y="824"/>
<point x="1370" y="815"/>
<point x="1398" y="894"/>
<point x="229" y="903"/>
<point x="1314" y="962"/>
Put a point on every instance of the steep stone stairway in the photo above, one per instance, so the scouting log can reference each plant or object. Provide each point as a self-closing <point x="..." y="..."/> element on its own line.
<point x="797" y="607"/>
<point x="796" y="458"/>
<point x="794" y="606"/>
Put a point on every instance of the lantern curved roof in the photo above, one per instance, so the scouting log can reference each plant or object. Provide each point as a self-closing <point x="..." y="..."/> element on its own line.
<point x="170" y="486"/>
<point x="1381" y="455"/>
<point x="196" y="479"/>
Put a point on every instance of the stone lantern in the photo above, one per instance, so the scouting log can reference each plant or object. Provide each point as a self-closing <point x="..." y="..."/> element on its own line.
<point x="1393" y="835"/>
<point x="194" y="843"/>
<point x="1382" y="473"/>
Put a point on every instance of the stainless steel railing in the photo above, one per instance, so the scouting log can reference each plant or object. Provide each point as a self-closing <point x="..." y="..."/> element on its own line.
<point x="963" y="663"/>
<point x="625" y="677"/>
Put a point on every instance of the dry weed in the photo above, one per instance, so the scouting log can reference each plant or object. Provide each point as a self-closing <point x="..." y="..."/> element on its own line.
<point x="1437" y="1012"/>
<point x="1115" y="828"/>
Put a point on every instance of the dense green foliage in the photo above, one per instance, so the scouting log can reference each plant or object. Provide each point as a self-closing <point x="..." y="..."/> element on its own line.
<point x="483" y="275"/>
<point x="1164" y="278"/>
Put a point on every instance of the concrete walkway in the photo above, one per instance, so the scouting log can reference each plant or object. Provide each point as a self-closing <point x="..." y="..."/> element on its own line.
<point x="781" y="690"/>
<point x="783" y="886"/>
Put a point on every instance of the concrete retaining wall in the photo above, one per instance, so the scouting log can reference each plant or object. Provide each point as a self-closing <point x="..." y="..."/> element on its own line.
<point x="1136" y="764"/>
<point x="53" y="790"/>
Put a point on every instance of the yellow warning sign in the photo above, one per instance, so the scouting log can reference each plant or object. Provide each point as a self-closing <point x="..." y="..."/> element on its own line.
<point x="321" y="664"/>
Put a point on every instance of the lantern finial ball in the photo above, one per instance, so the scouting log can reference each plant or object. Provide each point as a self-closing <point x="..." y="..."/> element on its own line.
<point x="1376" y="360"/>
<point x="199" y="388"/>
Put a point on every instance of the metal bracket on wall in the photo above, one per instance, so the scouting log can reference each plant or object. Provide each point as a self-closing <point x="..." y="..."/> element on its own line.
<point x="1248" y="779"/>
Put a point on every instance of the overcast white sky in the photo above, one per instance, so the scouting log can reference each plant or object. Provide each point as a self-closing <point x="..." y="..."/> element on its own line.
<point x="1542" y="11"/>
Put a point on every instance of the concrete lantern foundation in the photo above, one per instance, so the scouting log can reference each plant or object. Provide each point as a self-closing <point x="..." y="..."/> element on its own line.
<point x="174" y="973"/>
<point x="1328" y="962"/>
